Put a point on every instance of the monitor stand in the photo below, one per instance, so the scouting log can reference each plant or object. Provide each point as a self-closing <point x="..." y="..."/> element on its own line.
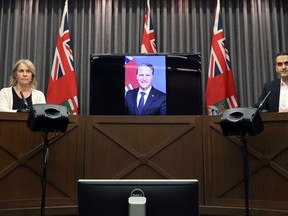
<point x="137" y="206"/>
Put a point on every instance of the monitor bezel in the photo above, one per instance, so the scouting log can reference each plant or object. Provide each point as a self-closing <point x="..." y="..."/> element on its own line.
<point x="107" y="84"/>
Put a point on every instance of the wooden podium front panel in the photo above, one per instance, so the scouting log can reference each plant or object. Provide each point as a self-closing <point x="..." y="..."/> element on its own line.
<point x="268" y="153"/>
<point x="158" y="147"/>
<point x="123" y="147"/>
<point x="21" y="160"/>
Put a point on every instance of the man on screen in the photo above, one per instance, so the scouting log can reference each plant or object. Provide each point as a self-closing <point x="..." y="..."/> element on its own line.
<point x="145" y="100"/>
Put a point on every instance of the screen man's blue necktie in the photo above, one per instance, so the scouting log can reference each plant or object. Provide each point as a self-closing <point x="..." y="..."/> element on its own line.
<point x="141" y="103"/>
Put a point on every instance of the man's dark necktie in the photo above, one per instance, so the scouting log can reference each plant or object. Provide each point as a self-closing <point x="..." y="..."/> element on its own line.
<point x="141" y="103"/>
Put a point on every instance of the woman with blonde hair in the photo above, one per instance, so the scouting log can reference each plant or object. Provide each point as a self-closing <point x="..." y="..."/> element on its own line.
<point x="22" y="92"/>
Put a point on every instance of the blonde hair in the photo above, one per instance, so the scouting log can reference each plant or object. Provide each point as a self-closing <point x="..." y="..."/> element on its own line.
<point x="30" y="65"/>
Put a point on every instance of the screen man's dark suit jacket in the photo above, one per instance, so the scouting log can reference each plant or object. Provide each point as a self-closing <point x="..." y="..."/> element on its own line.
<point x="155" y="103"/>
<point x="272" y="102"/>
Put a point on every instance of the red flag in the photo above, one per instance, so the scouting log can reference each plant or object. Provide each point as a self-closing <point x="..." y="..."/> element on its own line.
<point x="220" y="90"/>
<point x="62" y="88"/>
<point x="148" y="38"/>
<point x="130" y="72"/>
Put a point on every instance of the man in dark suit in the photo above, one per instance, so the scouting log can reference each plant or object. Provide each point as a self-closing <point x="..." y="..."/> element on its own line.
<point x="145" y="100"/>
<point x="278" y="99"/>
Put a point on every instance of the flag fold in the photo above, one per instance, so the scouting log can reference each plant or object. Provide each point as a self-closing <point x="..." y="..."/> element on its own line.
<point x="62" y="87"/>
<point x="220" y="90"/>
<point x="148" y="38"/>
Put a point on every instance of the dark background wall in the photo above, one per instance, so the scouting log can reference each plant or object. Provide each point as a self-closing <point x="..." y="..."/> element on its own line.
<point x="255" y="31"/>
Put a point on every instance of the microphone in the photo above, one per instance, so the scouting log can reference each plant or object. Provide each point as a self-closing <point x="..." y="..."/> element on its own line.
<point x="264" y="100"/>
<point x="26" y="107"/>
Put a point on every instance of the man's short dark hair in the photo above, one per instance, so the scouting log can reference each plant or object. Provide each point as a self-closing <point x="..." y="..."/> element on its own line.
<point x="280" y="54"/>
<point x="146" y="65"/>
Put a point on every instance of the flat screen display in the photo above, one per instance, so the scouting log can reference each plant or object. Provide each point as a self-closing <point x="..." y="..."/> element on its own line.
<point x="162" y="197"/>
<point x="116" y="81"/>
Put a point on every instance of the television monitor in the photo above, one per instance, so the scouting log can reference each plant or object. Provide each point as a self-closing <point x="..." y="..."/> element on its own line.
<point x="163" y="197"/>
<point x="176" y="75"/>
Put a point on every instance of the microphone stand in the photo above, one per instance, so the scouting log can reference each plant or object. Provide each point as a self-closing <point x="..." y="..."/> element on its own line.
<point x="46" y="118"/>
<point x="45" y="161"/>
<point x="246" y="160"/>
<point x="243" y="138"/>
<point x="246" y="171"/>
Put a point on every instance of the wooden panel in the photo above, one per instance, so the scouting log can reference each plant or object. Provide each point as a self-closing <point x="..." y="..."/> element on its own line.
<point x="21" y="160"/>
<point x="123" y="147"/>
<point x="144" y="147"/>
<point x="268" y="153"/>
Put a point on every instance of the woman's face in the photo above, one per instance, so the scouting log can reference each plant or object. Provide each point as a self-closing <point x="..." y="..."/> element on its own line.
<point x="23" y="74"/>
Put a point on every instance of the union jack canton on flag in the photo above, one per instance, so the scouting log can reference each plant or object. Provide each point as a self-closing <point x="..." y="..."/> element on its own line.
<point x="62" y="88"/>
<point x="148" y="38"/>
<point x="220" y="91"/>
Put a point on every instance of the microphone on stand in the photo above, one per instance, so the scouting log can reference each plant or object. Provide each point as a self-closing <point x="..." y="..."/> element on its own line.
<point x="263" y="101"/>
<point x="26" y="106"/>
